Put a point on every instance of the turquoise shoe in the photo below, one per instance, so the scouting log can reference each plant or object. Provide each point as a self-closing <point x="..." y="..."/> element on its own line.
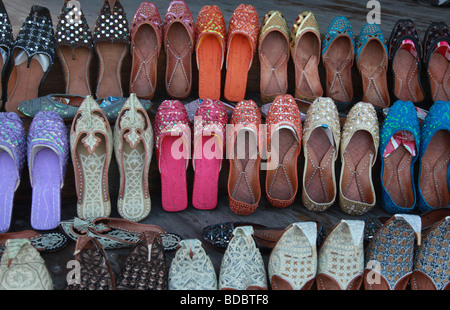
<point x="399" y="149"/>
<point x="434" y="170"/>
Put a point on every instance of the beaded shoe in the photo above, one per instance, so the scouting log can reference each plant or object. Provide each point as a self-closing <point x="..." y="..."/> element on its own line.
<point x="43" y="242"/>
<point x="6" y="43"/>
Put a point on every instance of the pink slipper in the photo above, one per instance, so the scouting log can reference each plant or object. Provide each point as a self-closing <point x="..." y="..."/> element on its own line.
<point x="209" y="141"/>
<point x="173" y="148"/>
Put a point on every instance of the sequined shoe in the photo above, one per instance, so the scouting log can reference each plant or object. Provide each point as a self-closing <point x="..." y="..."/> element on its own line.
<point x="48" y="152"/>
<point x="6" y="43"/>
<point x="13" y="150"/>
<point x="75" y="49"/>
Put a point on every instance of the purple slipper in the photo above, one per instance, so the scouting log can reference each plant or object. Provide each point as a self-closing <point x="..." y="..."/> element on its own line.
<point x="12" y="158"/>
<point x="48" y="149"/>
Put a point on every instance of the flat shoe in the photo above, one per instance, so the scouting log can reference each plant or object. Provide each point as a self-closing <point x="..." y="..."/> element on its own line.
<point x="43" y="242"/>
<point x="6" y="43"/>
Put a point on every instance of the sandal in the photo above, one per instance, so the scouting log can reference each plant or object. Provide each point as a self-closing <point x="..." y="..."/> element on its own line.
<point x="146" y="41"/>
<point x="399" y="148"/>
<point x="173" y="150"/>
<point x="433" y="179"/>
<point x="179" y="40"/>
<point x="321" y="138"/>
<point x="306" y="47"/>
<point x="32" y="58"/>
<point x="48" y="152"/>
<point x="91" y="144"/>
<point x="284" y="134"/>
<point x="241" y="47"/>
<point x="13" y="148"/>
<point x="111" y="42"/>
<point x="273" y="56"/>
<point x="6" y="43"/>
<point x="45" y="242"/>
<point x="75" y="50"/>
<point x="359" y="146"/>
<point x="211" y="31"/>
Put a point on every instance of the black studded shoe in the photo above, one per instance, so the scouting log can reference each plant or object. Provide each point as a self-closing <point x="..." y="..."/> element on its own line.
<point x="6" y="41"/>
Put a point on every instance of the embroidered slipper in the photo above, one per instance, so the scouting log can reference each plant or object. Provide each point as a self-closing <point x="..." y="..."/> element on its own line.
<point x="74" y="49"/>
<point x="321" y="138"/>
<point x="179" y="38"/>
<point x="209" y="148"/>
<point x="305" y="43"/>
<point x="111" y="38"/>
<point x="359" y="147"/>
<point x="372" y="61"/>
<point x="65" y="105"/>
<point x="273" y="46"/>
<point x="48" y="152"/>
<point x="13" y="141"/>
<point x="338" y="52"/>
<point x="433" y="179"/>
<point x="173" y="151"/>
<point x="32" y="57"/>
<point x="112" y="106"/>
<point x="91" y="144"/>
<point x="243" y="143"/>
<point x="399" y="148"/>
<point x="45" y="242"/>
<point x="241" y="47"/>
<point x="133" y="147"/>
<point x="284" y="134"/>
<point x="211" y="31"/>
<point x="146" y="42"/>
<point x="6" y="44"/>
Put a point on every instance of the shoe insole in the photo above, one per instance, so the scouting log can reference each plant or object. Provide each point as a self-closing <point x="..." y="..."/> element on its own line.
<point x="173" y="174"/>
<point x="76" y="66"/>
<point x="406" y="82"/>
<point x="306" y="59"/>
<point x="209" y="55"/>
<point x="439" y="72"/>
<point x="238" y="64"/>
<point x="433" y="178"/>
<point x="110" y="57"/>
<point x="8" y="181"/>
<point x="208" y="158"/>
<point x="46" y="192"/>
<point x="145" y="62"/>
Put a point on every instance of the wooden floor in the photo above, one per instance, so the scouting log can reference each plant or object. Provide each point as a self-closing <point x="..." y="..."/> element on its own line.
<point x="189" y="223"/>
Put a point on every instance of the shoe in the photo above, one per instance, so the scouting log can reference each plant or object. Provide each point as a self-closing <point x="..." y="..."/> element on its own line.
<point x="372" y="61"/>
<point x="338" y="52"/>
<point x="146" y="43"/>
<point x="13" y="152"/>
<point x="321" y="138"/>
<point x="43" y="242"/>
<point x="209" y="148"/>
<point x="399" y="148"/>
<point x="242" y="41"/>
<point x="111" y="106"/>
<point x="179" y="39"/>
<point x="111" y="39"/>
<point x="191" y="268"/>
<point x="306" y="45"/>
<point x="133" y="149"/>
<point x="274" y="52"/>
<point x="32" y="57"/>
<point x="6" y="44"/>
<point x="75" y="49"/>
<point x="91" y="144"/>
<point x="23" y="268"/>
<point x="173" y="150"/>
<point x="359" y="147"/>
<point x="210" y="47"/>
<point x="244" y="191"/>
<point x="284" y="135"/>
<point x="145" y="267"/>
<point x="341" y="257"/>
<point x="433" y="178"/>
<point x="293" y="261"/>
<point x="95" y="270"/>
<point x="436" y="60"/>
<point x="405" y="52"/>
<point x="389" y="255"/>
<point x="242" y="266"/>
<point x="48" y="153"/>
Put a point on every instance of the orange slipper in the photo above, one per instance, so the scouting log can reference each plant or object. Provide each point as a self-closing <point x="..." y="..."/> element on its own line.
<point x="242" y="37"/>
<point x="211" y="32"/>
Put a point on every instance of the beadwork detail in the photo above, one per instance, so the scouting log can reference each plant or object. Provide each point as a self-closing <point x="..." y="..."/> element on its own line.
<point x="111" y="24"/>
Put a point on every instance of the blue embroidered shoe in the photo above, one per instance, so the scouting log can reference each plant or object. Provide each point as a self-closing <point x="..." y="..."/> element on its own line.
<point x="399" y="148"/>
<point x="434" y="170"/>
